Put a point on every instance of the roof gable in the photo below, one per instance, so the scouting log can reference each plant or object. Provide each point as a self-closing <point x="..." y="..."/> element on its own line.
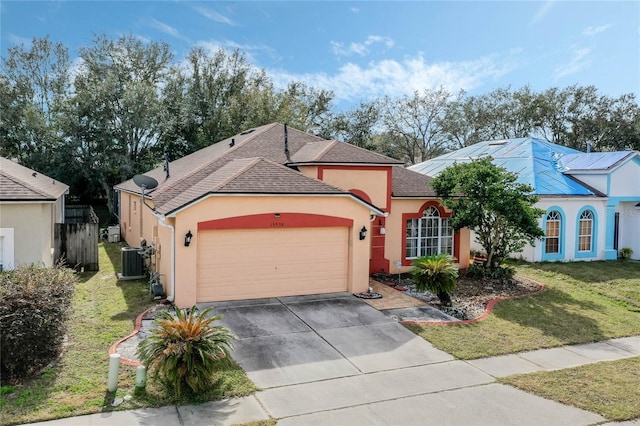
<point x="19" y="183"/>
<point x="332" y="151"/>
<point x="247" y="176"/>
<point x="596" y="161"/>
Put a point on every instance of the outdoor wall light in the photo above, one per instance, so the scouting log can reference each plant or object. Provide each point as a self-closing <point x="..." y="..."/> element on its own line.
<point x="363" y="233"/>
<point x="187" y="238"/>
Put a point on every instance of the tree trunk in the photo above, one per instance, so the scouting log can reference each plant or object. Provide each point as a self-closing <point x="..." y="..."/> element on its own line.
<point x="445" y="298"/>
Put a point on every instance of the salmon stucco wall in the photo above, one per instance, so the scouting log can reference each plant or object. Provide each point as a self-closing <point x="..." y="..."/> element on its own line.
<point x="374" y="181"/>
<point x="395" y="229"/>
<point x="32" y="225"/>
<point x="136" y="220"/>
<point x="220" y="207"/>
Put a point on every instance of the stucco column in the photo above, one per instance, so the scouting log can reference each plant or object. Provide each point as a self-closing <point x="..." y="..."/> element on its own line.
<point x="609" y="252"/>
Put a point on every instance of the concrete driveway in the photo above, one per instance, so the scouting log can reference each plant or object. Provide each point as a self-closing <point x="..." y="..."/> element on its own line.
<point x="333" y="360"/>
<point x="293" y="340"/>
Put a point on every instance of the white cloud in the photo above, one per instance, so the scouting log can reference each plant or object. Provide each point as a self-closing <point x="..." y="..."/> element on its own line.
<point x="542" y="12"/>
<point x="395" y="78"/>
<point x="360" y="49"/>
<point x="579" y="61"/>
<point x="165" y="28"/>
<point x="213" y="15"/>
<point x="17" y="40"/>
<point x="591" y="31"/>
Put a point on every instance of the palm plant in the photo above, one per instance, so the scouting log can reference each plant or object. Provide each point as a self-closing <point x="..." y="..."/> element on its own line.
<point x="184" y="347"/>
<point x="437" y="274"/>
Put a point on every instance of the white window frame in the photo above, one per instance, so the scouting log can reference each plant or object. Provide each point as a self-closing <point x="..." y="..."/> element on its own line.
<point x="8" y="249"/>
<point x="553" y="217"/>
<point x="434" y="234"/>
<point x="587" y="217"/>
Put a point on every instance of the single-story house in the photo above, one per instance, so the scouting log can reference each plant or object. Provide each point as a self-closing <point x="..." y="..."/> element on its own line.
<point x="591" y="199"/>
<point x="274" y="211"/>
<point x="30" y="206"/>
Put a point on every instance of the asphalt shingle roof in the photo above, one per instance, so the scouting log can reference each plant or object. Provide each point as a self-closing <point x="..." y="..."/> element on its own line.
<point x="339" y="152"/>
<point x="203" y="171"/>
<point x="407" y="183"/>
<point x="249" y="176"/>
<point x="19" y="183"/>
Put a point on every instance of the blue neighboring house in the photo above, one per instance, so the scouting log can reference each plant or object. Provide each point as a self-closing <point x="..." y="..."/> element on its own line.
<point x="591" y="200"/>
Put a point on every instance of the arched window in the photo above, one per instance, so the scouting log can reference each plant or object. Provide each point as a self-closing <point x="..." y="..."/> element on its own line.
<point x="585" y="231"/>
<point x="431" y="234"/>
<point x="552" y="232"/>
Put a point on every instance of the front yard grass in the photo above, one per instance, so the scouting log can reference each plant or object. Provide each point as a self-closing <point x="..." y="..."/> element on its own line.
<point x="583" y="302"/>
<point x="607" y="388"/>
<point x="104" y="311"/>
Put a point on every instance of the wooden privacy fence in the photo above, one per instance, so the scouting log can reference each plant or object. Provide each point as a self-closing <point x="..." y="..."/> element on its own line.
<point x="77" y="245"/>
<point x="79" y="214"/>
<point x="76" y="242"/>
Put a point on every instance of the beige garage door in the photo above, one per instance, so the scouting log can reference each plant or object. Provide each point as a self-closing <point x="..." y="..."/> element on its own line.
<point x="255" y="263"/>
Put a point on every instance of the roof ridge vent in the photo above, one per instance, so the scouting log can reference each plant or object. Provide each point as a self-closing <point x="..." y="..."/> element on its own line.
<point x="497" y="143"/>
<point x="246" y="132"/>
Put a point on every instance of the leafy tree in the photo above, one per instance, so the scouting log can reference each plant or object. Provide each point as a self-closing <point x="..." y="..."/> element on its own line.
<point x="355" y="126"/>
<point x="213" y="96"/>
<point x="466" y="121"/>
<point x="184" y="348"/>
<point x="115" y="117"/>
<point x="488" y="199"/>
<point x="414" y="124"/>
<point x="33" y="86"/>
<point x="438" y="274"/>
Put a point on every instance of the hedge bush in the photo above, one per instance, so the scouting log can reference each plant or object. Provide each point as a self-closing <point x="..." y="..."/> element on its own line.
<point x="34" y="307"/>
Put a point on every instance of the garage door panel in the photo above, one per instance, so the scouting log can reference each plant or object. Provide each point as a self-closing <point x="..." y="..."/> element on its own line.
<point x="245" y="264"/>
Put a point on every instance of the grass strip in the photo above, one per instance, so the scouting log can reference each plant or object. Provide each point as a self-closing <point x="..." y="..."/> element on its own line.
<point x="607" y="388"/>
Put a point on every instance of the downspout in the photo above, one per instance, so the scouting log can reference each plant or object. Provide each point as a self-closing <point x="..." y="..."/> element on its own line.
<point x="161" y="221"/>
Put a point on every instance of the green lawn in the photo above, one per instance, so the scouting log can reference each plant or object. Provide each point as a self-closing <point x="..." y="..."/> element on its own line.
<point x="583" y="302"/>
<point x="608" y="388"/>
<point x="104" y="311"/>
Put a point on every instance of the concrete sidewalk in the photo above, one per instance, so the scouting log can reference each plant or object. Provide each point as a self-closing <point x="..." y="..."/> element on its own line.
<point x="448" y="392"/>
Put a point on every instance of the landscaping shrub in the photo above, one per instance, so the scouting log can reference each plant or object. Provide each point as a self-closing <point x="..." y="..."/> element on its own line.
<point x="480" y="272"/>
<point x="437" y="274"/>
<point x="34" y="307"/>
<point x="184" y="347"/>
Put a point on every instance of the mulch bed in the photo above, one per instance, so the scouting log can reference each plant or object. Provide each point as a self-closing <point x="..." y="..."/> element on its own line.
<point x="471" y="297"/>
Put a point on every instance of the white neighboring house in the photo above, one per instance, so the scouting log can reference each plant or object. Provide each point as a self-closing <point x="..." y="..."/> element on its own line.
<point x="591" y="200"/>
<point x="30" y="205"/>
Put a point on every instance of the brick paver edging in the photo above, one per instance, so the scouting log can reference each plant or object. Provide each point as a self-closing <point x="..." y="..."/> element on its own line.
<point x="485" y="314"/>
<point x="114" y="347"/>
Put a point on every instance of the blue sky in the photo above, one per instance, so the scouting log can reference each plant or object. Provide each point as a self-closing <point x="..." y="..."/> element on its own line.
<point x="365" y="49"/>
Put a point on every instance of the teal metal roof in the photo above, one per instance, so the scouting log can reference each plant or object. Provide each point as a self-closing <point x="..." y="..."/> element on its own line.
<point x="535" y="161"/>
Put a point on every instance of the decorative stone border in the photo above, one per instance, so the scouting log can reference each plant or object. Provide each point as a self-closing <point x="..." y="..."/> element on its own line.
<point x="485" y="314"/>
<point x="114" y="347"/>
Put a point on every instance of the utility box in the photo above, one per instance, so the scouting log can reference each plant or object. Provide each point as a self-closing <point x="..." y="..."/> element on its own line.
<point x="132" y="264"/>
<point x="113" y="234"/>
